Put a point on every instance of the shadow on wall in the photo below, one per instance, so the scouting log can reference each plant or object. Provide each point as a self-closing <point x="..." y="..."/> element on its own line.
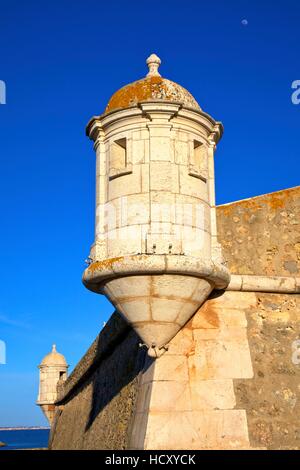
<point x="120" y="367"/>
<point x="97" y="402"/>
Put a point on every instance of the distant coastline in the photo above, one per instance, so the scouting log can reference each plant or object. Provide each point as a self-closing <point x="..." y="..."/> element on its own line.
<point x="23" y="428"/>
<point x="24" y="437"/>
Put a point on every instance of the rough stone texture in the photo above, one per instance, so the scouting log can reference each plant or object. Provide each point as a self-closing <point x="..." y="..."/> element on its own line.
<point x="207" y="369"/>
<point x="261" y="235"/>
<point x="193" y="397"/>
<point x="150" y="88"/>
<point x="205" y="386"/>
<point x="272" y="397"/>
<point x="97" y="403"/>
<point x="187" y="399"/>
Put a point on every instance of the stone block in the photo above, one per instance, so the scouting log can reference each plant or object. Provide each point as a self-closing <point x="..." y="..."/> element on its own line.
<point x="188" y="310"/>
<point x="182" y="343"/>
<point x="132" y="285"/>
<point x="193" y="212"/>
<point x="145" y="183"/>
<point x="160" y="149"/>
<point x="170" y="396"/>
<point x="231" y="299"/>
<point x="164" y="177"/>
<point x="156" y="333"/>
<point x="214" y="429"/>
<point x="162" y="206"/>
<point x="177" y="286"/>
<point x="136" y="135"/>
<point x="173" y="368"/>
<point x="268" y="284"/>
<point x="220" y="358"/>
<point x="191" y="186"/>
<point x="125" y="240"/>
<point x="235" y="334"/>
<point x="211" y="316"/>
<point x="136" y="310"/>
<point x="101" y="189"/>
<point x="181" y="152"/>
<point x="138" y="151"/>
<point x="145" y="134"/>
<point x="171" y="308"/>
<point x="195" y="241"/>
<point x="212" y="394"/>
<point x="135" y="209"/>
<point x="125" y="184"/>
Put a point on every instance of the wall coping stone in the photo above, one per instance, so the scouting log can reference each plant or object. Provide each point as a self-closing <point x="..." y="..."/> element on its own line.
<point x="272" y="284"/>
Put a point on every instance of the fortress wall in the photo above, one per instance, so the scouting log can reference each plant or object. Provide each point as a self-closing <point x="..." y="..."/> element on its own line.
<point x="261" y="235"/>
<point x="230" y="378"/>
<point x="96" y="403"/>
<point x="227" y="381"/>
<point x="271" y="399"/>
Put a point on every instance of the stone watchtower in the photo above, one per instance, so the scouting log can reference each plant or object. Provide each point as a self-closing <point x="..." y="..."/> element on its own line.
<point x="53" y="368"/>
<point x="213" y="355"/>
<point x="155" y="255"/>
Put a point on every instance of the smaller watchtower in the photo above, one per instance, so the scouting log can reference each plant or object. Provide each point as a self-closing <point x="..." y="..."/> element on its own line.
<point x="53" y="368"/>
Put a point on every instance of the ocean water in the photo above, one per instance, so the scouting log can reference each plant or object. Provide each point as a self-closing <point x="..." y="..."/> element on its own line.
<point x="24" y="439"/>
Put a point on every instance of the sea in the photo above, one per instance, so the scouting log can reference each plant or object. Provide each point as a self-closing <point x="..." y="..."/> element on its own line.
<point x="17" y="439"/>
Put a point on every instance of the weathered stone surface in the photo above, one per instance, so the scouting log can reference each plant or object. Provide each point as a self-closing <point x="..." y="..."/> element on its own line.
<point x="229" y="375"/>
<point x="97" y="403"/>
<point x="212" y="394"/>
<point x="261" y="235"/>
<point x="126" y="412"/>
<point x="157" y="306"/>
<point x="209" y="429"/>
<point x="152" y="201"/>
<point x="239" y="356"/>
<point x="271" y="398"/>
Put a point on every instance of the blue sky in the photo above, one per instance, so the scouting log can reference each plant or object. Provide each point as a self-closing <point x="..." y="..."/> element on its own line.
<point x="61" y="61"/>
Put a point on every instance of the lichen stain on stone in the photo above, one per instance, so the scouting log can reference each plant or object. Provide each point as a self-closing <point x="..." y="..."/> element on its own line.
<point x="108" y="263"/>
<point x="104" y="264"/>
<point x="150" y="88"/>
<point x="205" y="317"/>
<point x="210" y="314"/>
<point x="273" y="201"/>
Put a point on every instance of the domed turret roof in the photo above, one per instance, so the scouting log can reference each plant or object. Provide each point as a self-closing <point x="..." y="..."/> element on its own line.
<point x="54" y="359"/>
<point x="152" y="87"/>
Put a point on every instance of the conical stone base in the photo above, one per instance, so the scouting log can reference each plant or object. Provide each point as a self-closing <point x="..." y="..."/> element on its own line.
<point x="157" y="306"/>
